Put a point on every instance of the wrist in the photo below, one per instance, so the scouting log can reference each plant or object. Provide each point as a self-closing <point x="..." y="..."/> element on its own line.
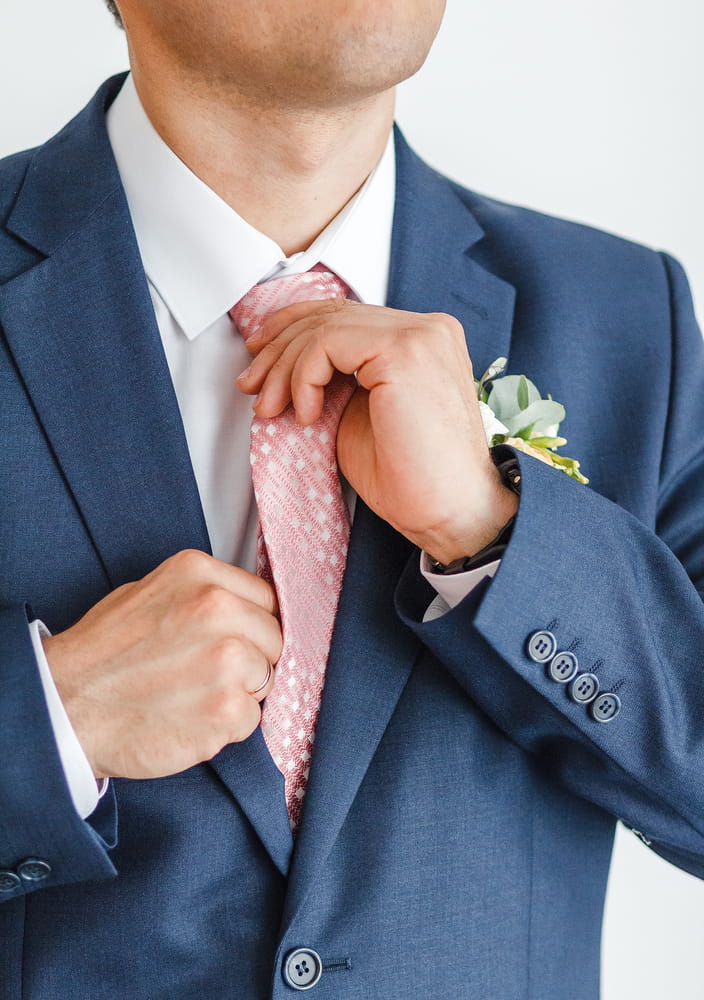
<point x="478" y="534"/>
<point x="467" y="541"/>
<point x="57" y="657"/>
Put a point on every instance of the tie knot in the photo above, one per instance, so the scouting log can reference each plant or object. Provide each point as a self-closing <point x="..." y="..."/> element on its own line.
<point x="262" y="300"/>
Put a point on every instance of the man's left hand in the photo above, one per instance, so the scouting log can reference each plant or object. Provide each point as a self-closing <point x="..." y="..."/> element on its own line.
<point x="411" y="440"/>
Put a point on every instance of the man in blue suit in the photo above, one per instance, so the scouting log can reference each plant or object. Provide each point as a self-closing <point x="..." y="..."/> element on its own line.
<point x="461" y="802"/>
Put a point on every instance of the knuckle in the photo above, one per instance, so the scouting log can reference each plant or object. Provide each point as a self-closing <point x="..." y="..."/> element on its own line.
<point x="452" y="326"/>
<point x="212" y="746"/>
<point x="338" y="305"/>
<point x="226" y="656"/>
<point x="222" y="710"/>
<point x="247" y="722"/>
<point x="270" y="352"/>
<point x="189" y="562"/>
<point x="212" y="604"/>
<point x="444" y="323"/>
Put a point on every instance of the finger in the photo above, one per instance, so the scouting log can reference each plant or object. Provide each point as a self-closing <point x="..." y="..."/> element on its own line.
<point x="278" y="321"/>
<point x="241" y="666"/>
<point x="269" y="353"/>
<point x="311" y="373"/>
<point x="251" y="379"/>
<point x="275" y="391"/>
<point x="266" y="682"/>
<point x="196" y="566"/>
<point x="252" y="624"/>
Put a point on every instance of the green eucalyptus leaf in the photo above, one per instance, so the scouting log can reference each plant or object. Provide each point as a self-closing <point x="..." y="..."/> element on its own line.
<point x="525" y="432"/>
<point x="503" y="398"/>
<point x="548" y="442"/>
<point x="543" y="417"/>
<point x="522" y="393"/>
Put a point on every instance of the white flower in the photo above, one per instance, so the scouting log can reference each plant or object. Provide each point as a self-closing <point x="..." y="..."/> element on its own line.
<point x="492" y="424"/>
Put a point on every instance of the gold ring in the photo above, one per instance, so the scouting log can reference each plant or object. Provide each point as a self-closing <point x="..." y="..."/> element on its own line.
<point x="264" y="682"/>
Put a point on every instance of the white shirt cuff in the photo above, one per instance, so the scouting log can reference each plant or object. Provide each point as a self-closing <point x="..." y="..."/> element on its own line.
<point x="452" y="589"/>
<point x="82" y="784"/>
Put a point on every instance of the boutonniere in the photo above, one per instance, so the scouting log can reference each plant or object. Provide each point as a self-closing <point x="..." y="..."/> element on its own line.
<point x="514" y="413"/>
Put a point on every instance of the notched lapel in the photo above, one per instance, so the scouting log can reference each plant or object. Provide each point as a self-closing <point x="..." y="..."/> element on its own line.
<point x="433" y="269"/>
<point x="81" y="327"/>
<point x="82" y="331"/>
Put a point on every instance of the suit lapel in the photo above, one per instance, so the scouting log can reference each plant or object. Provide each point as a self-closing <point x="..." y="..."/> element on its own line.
<point x="82" y="331"/>
<point x="436" y="239"/>
<point x="81" y="327"/>
<point x="372" y="653"/>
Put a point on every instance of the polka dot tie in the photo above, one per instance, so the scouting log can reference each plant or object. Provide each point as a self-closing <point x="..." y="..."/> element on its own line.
<point x="304" y="529"/>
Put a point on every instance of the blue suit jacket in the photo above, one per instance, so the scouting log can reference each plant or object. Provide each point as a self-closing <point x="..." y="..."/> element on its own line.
<point x="459" y="819"/>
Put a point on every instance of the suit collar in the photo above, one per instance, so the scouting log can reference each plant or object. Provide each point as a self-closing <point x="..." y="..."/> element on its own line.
<point x="202" y="256"/>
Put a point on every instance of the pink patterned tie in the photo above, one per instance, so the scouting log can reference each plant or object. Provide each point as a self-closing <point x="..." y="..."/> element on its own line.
<point x="304" y="529"/>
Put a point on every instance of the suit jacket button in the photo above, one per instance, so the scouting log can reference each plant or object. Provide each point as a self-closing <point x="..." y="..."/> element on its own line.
<point x="584" y="688"/>
<point x="563" y="667"/>
<point x="542" y="646"/>
<point x="34" y="870"/>
<point x="606" y="707"/>
<point x="9" y="881"/>
<point x="302" y="969"/>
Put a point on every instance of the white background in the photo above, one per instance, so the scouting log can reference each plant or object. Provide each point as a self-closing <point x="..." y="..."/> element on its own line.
<point x="590" y="109"/>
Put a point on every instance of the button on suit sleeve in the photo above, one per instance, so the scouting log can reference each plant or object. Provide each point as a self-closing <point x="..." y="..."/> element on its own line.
<point x="43" y="840"/>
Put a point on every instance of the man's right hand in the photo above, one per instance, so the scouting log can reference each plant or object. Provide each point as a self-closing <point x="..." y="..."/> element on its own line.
<point x="157" y="676"/>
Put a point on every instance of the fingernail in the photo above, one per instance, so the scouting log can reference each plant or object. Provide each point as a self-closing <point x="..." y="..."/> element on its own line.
<point x="244" y="374"/>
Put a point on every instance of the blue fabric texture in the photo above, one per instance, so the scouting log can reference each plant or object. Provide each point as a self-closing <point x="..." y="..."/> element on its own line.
<point x="459" y="818"/>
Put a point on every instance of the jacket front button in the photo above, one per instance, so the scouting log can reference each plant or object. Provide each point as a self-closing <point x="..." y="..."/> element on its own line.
<point x="302" y="969"/>
<point x="9" y="881"/>
<point x="34" y="870"/>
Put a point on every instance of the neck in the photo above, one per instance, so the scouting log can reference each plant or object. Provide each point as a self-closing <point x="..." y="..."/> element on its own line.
<point x="286" y="171"/>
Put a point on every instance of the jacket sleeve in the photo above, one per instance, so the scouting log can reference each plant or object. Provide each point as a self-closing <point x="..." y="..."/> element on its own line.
<point x="43" y="841"/>
<point x="625" y="600"/>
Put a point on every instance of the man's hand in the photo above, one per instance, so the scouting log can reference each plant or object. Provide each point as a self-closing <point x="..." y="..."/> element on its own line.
<point x="411" y="441"/>
<point x="156" y="677"/>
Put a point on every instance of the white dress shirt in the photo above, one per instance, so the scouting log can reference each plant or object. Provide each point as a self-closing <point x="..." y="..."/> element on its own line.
<point x="200" y="258"/>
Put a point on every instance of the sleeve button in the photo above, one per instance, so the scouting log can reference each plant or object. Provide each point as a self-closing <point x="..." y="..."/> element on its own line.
<point x="9" y="881"/>
<point x="33" y="870"/>
<point x="563" y="667"/>
<point x="541" y="646"/>
<point x="606" y="707"/>
<point x="584" y="688"/>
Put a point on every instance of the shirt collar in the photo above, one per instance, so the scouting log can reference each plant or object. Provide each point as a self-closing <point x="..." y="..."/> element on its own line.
<point x="201" y="256"/>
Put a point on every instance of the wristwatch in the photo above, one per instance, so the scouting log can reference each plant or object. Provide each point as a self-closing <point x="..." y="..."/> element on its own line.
<point x="504" y="458"/>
